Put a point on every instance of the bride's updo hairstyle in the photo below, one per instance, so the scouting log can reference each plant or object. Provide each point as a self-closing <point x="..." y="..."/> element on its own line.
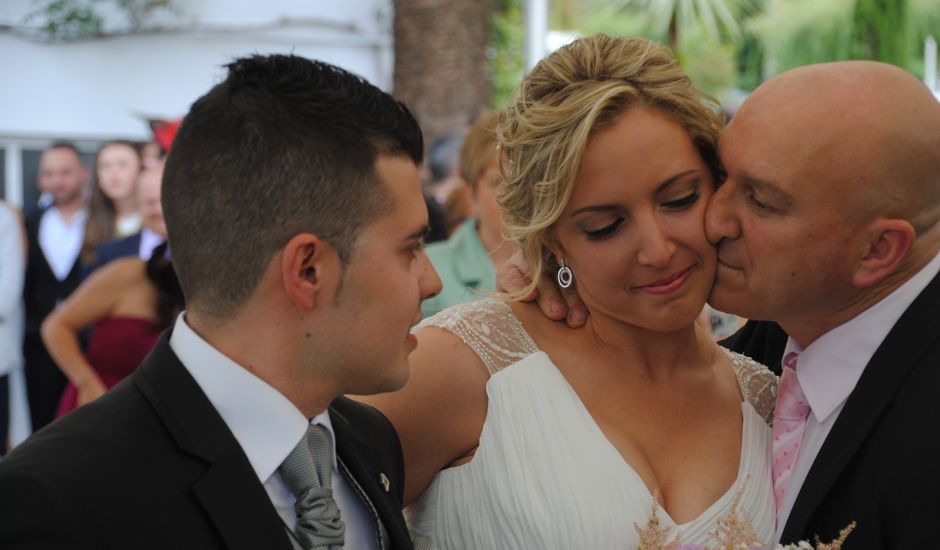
<point x="576" y="90"/>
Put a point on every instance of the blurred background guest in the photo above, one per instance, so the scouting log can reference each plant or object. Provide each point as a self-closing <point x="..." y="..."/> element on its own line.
<point x="55" y="235"/>
<point x="112" y="209"/>
<point x="467" y="261"/>
<point x="129" y="302"/>
<point x="12" y="265"/>
<point x="153" y="230"/>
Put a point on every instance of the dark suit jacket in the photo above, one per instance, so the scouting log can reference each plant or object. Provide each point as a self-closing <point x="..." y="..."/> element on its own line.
<point x="119" y="248"/>
<point x="41" y="289"/>
<point x="152" y="465"/>
<point x="880" y="464"/>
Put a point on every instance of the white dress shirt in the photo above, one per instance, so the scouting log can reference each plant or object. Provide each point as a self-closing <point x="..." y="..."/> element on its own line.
<point x="830" y="367"/>
<point x="12" y="272"/>
<point x="148" y="241"/>
<point x="61" y="241"/>
<point x="268" y="427"/>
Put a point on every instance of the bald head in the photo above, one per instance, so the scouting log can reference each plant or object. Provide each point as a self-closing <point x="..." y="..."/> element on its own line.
<point x="870" y="129"/>
<point x="832" y="195"/>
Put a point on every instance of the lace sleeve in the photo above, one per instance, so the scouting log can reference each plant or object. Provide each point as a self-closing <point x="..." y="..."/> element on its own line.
<point x="489" y="328"/>
<point x="758" y="384"/>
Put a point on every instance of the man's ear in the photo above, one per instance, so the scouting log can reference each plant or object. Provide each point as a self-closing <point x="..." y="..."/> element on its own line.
<point x="889" y="241"/>
<point x="308" y="267"/>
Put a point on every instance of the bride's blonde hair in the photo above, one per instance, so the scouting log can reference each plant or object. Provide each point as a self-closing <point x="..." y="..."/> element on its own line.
<point x="576" y="90"/>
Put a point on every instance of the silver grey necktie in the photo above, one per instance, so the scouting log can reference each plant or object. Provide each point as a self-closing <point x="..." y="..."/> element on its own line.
<point x="307" y="471"/>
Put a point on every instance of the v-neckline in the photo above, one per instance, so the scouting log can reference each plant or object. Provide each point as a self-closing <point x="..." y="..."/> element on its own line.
<point x="618" y="456"/>
<point x="605" y="441"/>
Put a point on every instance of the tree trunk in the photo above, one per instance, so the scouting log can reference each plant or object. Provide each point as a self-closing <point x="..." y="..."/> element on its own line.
<point x="440" y="61"/>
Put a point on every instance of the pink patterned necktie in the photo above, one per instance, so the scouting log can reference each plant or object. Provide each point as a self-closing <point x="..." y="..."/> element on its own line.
<point x="789" y="423"/>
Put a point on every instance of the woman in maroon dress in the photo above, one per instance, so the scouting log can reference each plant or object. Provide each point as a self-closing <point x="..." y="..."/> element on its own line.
<point x="129" y="302"/>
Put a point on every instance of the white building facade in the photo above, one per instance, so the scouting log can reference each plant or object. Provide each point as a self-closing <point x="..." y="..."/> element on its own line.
<point x="92" y="90"/>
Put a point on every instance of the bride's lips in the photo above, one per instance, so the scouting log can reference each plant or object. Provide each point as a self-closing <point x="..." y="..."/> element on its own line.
<point x="669" y="284"/>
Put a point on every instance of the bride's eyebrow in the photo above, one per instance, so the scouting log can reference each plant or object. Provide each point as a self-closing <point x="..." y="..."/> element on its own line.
<point x="596" y="208"/>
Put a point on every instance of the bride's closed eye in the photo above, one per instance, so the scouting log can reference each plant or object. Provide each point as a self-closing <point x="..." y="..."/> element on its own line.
<point x="603" y="232"/>
<point x="684" y="202"/>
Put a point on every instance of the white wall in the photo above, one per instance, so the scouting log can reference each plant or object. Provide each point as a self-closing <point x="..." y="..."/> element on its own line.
<point x="98" y="89"/>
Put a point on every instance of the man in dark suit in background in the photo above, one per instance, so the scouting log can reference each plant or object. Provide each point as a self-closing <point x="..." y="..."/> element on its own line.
<point x="296" y="219"/>
<point x="827" y="225"/>
<point x="53" y="269"/>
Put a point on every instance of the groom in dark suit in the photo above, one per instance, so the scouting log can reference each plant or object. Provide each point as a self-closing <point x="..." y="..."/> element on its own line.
<point x="827" y="225"/>
<point x="296" y="220"/>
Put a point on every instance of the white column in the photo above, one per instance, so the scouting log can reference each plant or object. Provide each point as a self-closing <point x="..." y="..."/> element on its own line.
<point x="930" y="63"/>
<point x="14" y="173"/>
<point x="536" y="30"/>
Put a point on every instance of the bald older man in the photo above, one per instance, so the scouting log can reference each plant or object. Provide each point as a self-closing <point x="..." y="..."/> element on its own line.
<point x="827" y="224"/>
<point x="827" y="229"/>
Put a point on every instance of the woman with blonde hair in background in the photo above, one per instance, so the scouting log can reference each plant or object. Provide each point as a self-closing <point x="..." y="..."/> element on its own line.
<point x="520" y="432"/>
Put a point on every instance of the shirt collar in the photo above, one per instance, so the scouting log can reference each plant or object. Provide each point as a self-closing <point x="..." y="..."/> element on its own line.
<point x="829" y="368"/>
<point x="148" y="242"/>
<point x="78" y="218"/>
<point x="264" y="422"/>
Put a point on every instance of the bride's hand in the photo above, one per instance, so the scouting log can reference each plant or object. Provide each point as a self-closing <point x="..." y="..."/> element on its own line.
<point x="555" y="303"/>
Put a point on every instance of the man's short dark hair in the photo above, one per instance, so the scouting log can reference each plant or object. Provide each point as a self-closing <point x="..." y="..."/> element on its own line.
<point x="284" y="145"/>
<point x="69" y="146"/>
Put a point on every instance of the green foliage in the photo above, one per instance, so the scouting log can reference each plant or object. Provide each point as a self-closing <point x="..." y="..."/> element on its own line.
<point x="674" y="19"/>
<point x="63" y="20"/>
<point x="67" y="19"/>
<point x="791" y="33"/>
<point x="506" y="52"/>
<point x="709" y="63"/>
<point x="880" y="31"/>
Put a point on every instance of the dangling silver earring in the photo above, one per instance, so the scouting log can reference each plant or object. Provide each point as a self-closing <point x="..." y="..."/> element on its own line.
<point x="564" y="276"/>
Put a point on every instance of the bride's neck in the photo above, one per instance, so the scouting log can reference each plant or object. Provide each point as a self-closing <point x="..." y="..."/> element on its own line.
<point x="662" y="354"/>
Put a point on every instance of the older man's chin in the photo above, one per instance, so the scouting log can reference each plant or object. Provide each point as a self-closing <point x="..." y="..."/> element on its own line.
<point x="729" y="293"/>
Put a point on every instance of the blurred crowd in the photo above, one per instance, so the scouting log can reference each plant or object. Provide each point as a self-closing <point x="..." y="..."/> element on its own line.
<point x="86" y="283"/>
<point x="86" y="277"/>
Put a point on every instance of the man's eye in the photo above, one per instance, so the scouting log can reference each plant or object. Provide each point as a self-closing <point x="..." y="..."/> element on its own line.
<point x="604" y="232"/>
<point x="757" y="203"/>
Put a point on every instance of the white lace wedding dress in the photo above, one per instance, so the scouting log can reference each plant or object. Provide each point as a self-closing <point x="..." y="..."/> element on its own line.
<point x="545" y="476"/>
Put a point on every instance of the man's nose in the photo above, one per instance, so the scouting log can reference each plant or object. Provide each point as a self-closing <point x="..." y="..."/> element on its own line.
<point x="720" y="219"/>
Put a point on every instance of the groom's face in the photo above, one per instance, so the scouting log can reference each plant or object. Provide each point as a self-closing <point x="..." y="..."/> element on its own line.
<point x="780" y="218"/>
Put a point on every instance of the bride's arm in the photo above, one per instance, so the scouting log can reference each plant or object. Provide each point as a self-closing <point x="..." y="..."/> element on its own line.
<point x="439" y="413"/>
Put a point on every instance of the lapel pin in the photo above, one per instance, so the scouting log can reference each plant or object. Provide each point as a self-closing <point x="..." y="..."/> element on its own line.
<point x="384" y="482"/>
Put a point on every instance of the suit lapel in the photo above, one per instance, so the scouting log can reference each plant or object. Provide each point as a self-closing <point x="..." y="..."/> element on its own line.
<point x="901" y="350"/>
<point x="353" y="450"/>
<point x="229" y="491"/>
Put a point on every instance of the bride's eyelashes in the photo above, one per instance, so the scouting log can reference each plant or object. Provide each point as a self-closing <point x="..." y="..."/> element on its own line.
<point x="603" y="232"/>
<point x="684" y="202"/>
<point x="610" y="229"/>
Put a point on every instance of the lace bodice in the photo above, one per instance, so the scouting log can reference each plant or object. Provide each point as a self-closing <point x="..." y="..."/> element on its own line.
<point x="491" y="330"/>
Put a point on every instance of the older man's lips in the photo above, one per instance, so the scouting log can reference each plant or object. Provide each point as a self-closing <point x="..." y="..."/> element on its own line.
<point x="667" y="285"/>
<point x="726" y="265"/>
